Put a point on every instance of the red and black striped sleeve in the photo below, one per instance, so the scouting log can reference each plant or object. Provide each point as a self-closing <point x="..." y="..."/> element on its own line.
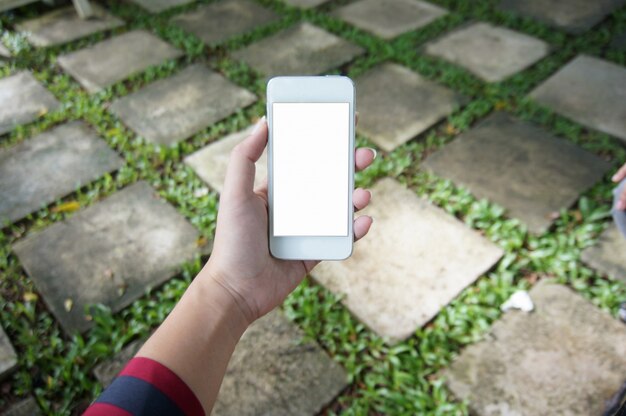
<point x="146" y="387"/>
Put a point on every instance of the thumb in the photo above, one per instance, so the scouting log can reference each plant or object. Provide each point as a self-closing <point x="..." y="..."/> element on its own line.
<point x="241" y="170"/>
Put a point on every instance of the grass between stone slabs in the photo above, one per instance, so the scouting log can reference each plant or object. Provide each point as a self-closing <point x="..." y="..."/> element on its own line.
<point x="402" y="379"/>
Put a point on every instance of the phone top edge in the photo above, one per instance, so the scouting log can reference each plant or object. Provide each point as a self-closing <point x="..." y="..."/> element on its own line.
<point x="308" y="77"/>
<point x="278" y="87"/>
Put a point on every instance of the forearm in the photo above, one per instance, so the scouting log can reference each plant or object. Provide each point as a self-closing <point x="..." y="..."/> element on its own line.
<point x="198" y="338"/>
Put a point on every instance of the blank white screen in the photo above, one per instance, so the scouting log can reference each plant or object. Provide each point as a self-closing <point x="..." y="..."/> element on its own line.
<point x="310" y="152"/>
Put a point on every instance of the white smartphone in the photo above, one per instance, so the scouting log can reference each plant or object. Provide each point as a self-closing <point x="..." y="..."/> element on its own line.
<point x="311" y="167"/>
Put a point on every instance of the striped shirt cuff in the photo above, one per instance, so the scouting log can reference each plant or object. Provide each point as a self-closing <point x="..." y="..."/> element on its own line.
<point x="146" y="387"/>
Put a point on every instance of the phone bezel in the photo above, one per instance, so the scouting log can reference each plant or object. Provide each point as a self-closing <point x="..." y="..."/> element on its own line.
<point x="311" y="89"/>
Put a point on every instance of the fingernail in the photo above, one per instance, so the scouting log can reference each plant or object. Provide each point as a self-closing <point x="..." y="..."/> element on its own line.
<point x="374" y="151"/>
<point x="614" y="178"/>
<point x="258" y="124"/>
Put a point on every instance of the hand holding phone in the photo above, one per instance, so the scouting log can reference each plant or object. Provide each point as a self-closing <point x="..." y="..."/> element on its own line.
<point x="241" y="261"/>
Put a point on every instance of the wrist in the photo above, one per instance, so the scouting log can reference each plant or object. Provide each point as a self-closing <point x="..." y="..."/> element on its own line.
<point x="220" y="285"/>
<point x="209" y="293"/>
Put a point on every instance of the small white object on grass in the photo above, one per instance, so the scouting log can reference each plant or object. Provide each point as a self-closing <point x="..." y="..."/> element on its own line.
<point x="200" y="192"/>
<point x="519" y="300"/>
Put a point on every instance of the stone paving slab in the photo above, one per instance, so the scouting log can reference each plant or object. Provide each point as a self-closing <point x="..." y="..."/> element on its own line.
<point x="390" y="18"/>
<point x="429" y="257"/>
<point x="64" y="25"/>
<point x="158" y="6"/>
<point x="211" y="162"/>
<point x="275" y="371"/>
<point x="590" y="91"/>
<point x="607" y="256"/>
<point x="572" y="16"/>
<point x="175" y="108"/>
<point x="396" y="104"/>
<point x="305" y="4"/>
<point x="216" y="22"/>
<point x="109" y="253"/>
<point x="26" y="407"/>
<point x="272" y="371"/>
<point x="490" y="52"/>
<point x="565" y="358"/>
<point x="38" y="171"/>
<point x="8" y="357"/>
<point x="113" y="60"/>
<point x="303" y="49"/>
<point x="508" y="161"/>
<point x="22" y="100"/>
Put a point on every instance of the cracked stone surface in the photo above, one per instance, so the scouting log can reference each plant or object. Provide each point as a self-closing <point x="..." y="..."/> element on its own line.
<point x="23" y="100"/>
<point x="429" y="258"/>
<point x="216" y="22"/>
<point x="211" y="161"/>
<point x="303" y="49"/>
<point x="113" y="60"/>
<point x="173" y="109"/>
<point x="63" y="25"/>
<point x="607" y="255"/>
<point x="8" y="357"/>
<point x="564" y="358"/>
<point x="26" y="407"/>
<point x="390" y="18"/>
<point x="265" y="373"/>
<point x="507" y="161"/>
<point x="40" y="170"/>
<point x="396" y="104"/>
<point x="490" y="52"/>
<point x="572" y="16"/>
<point x="141" y="242"/>
<point x="590" y="91"/>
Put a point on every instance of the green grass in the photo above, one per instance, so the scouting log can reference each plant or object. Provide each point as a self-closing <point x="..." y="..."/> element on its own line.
<point x="402" y="379"/>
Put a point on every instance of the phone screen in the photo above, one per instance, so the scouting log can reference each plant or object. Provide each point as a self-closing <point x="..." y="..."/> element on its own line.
<point x="311" y="172"/>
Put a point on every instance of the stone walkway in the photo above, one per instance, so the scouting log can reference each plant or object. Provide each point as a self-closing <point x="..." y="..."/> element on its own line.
<point x="490" y="52"/>
<point x="173" y="109"/>
<point x="22" y="100"/>
<point x="566" y="358"/>
<point x="114" y="60"/>
<point x="422" y="255"/>
<point x="513" y="172"/>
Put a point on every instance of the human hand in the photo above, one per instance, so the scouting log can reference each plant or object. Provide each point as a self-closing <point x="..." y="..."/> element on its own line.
<point x="241" y="262"/>
<point x="619" y="176"/>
